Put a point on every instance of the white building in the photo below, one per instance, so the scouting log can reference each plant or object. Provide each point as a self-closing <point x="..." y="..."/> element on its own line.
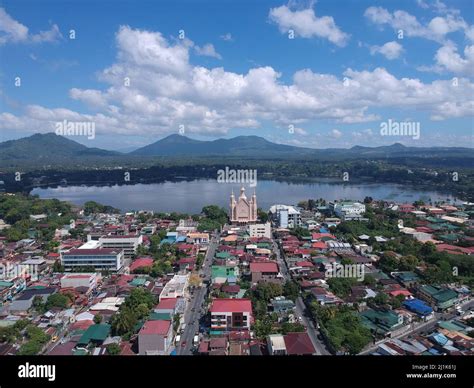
<point x="93" y="255"/>
<point x="128" y="243"/>
<point x="176" y="288"/>
<point x="76" y="280"/>
<point x="285" y="216"/>
<point x="260" y="230"/>
<point x="348" y="210"/>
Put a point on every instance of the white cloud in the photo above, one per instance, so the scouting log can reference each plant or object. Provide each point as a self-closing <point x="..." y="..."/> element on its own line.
<point x="227" y="37"/>
<point x="207" y="50"/>
<point x="336" y="133"/>
<point x="167" y="91"/>
<point x="437" y="29"/>
<point x="306" y="24"/>
<point x="391" y="50"/>
<point x="12" y="31"/>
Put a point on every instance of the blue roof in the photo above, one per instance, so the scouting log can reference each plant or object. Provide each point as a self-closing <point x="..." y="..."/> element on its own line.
<point x="418" y="306"/>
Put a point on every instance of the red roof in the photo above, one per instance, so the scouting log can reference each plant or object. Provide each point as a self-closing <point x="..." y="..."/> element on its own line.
<point x="319" y="245"/>
<point x="304" y="264"/>
<point x="167" y="304"/>
<point x="298" y="343"/>
<point x="225" y="305"/>
<point x="264" y="267"/>
<point x="141" y="262"/>
<point x="318" y="236"/>
<point x="155" y="327"/>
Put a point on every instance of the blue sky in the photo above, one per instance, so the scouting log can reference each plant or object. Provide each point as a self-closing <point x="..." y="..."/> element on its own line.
<point x="237" y="72"/>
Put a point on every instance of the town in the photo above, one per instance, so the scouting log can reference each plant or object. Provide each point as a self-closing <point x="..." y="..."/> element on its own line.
<point x="313" y="278"/>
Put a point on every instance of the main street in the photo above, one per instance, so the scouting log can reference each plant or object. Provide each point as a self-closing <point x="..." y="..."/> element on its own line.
<point x="195" y="308"/>
<point x="300" y="306"/>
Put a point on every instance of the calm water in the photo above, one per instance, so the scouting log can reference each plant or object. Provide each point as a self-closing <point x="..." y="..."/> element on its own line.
<point x="190" y="197"/>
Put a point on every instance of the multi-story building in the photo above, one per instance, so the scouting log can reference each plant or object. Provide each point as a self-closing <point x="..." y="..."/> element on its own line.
<point x="285" y="216"/>
<point x="348" y="210"/>
<point x="101" y="259"/>
<point x="128" y="243"/>
<point x="265" y="272"/>
<point x="177" y="287"/>
<point x="440" y="298"/>
<point x="230" y="314"/>
<point x="80" y="280"/>
<point x="260" y="230"/>
<point x="155" y="338"/>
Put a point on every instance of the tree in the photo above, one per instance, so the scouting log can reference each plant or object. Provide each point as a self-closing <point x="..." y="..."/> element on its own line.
<point x="57" y="300"/>
<point x="98" y="319"/>
<point x="291" y="290"/>
<point x="262" y="215"/>
<point x="113" y="349"/>
<point x="263" y="327"/>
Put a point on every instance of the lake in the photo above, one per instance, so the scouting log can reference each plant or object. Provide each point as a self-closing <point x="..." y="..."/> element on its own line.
<point x="191" y="196"/>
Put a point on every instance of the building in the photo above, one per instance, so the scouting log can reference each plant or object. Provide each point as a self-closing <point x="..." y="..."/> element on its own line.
<point x="418" y="307"/>
<point x="381" y="322"/>
<point x="177" y="287"/>
<point x="155" y="338"/>
<point x="230" y="314"/>
<point x="439" y="298"/>
<point x="128" y="243"/>
<point x="260" y="230"/>
<point x="25" y="300"/>
<point x="197" y="238"/>
<point x="80" y="280"/>
<point x="276" y="345"/>
<point x="284" y="216"/>
<point x="298" y="344"/>
<point x="265" y="272"/>
<point x="100" y="259"/>
<point x="243" y="210"/>
<point x="348" y="210"/>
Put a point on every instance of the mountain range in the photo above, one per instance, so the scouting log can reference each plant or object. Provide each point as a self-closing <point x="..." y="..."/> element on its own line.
<point x="49" y="147"/>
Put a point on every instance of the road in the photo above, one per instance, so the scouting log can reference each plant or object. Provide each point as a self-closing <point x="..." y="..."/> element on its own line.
<point x="195" y="308"/>
<point x="300" y="307"/>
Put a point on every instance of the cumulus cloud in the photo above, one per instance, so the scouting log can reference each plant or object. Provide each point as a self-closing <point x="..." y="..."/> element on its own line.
<point x="306" y="24"/>
<point x="207" y="50"/>
<point x="390" y="50"/>
<point x="12" y="31"/>
<point x="164" y="90"/>
<point x="437" y="29"/>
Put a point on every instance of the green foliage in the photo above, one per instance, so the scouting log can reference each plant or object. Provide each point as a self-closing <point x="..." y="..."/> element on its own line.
<point x="341" y="286"/>
<point x="113" y="349"/>
<point x="137" y="306"/>
<point x="343" y="327"/>
<point x="291" y="290"/>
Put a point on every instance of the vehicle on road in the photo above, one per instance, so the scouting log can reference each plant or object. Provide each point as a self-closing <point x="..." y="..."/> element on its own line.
<point x="196" y="340"/>
<point x="183" y="344"/>
<point x="54" y="339"/>
<point x="177" y="339"/>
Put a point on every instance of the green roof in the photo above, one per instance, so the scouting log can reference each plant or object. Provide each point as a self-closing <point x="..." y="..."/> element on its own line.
<point x="441" y="295"/>
<point x="97" y="332"/>
<point x="382" y="319"/>
<point x="138" y="282"/>
<point x="5" y="284"/>
<point x="159" y="316"/>
<point x="222" y="255"/>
